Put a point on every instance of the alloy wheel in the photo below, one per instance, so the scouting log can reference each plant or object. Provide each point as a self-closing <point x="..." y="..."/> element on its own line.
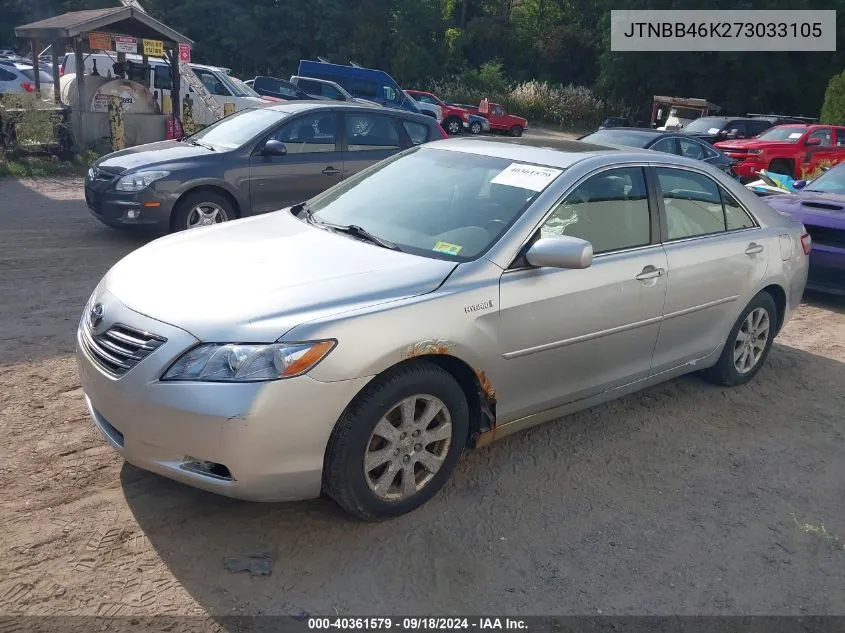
<point x="751" y="340"/>
<point x="408" y="447"/>
<point x="206" y="214"/>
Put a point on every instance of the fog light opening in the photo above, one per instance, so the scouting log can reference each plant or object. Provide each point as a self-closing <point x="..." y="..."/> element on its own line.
<point x="206" y="468"/>
<point x="133" y="214"/>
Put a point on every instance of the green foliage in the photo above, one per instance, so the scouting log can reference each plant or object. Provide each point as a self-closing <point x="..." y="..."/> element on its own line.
<point x="833" y="109"/>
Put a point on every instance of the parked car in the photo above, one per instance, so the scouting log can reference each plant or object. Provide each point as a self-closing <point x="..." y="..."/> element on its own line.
<point x="476" y="124"/>
<point x="455" y="117"/>
<point x="8" y="52"/>
<point x="325" y="89"/>
<point x="280" y="89"/>
<point x="501" y="121"/>
<point x="429" y="109"/>
<point x="364" y="83"/>
<point x="445" y="298"/>
<point x="17" y="78"/>
<point x="254" y="161"/>
<point x="668" y="142"/>
<point x="820" y="206"/>
<point x="719" y="128"/>
<point x="615" y="121"/>
<point x="787" y="149"/>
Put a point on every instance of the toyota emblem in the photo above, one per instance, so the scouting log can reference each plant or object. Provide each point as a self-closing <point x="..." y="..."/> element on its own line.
<point x="96" y="314"/>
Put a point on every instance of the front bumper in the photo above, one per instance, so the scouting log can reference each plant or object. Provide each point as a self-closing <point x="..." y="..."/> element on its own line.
<point x="271" y="437"/>
<point x="747" y="169"/>
<point x="827" y="269"/>
<point x="146" y="210"/>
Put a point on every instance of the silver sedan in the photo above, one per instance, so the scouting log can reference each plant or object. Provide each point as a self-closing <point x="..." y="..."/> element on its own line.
<point x="443" y="298"/>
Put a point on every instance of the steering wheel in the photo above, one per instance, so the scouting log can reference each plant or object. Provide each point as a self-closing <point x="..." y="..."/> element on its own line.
<point x="495" y="227"/>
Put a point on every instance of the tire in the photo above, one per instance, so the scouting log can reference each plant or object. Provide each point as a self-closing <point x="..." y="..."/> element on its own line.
<point x="355" y="436"/>
<point x="726" y="372"/>
<point x="453" y="126"/>
<point x="475" y="128"/>
<point x="516" y="130"/>
<point x="781" y="166"/>
<point x="187" y="208"/>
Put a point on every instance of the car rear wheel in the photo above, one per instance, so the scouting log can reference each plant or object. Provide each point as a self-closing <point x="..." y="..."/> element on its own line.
<point x="201" y="208"/>
<point x="475" y="128"/>
<point x="748" y="343"/>
<point x="454" y="126"/>
<point x="397" y="443"/>
<point x="516" y="130"/>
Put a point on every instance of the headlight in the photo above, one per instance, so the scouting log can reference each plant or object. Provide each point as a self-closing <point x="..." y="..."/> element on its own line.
<point x="214" y="362"/>
<point x="755" y="152"/>
<point x="139" y="180"/>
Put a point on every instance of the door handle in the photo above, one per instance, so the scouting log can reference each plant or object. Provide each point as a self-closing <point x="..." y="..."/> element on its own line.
<point x="331" y="171"/>
<point x="753" y="249"/>
<point x="650" y="272"/>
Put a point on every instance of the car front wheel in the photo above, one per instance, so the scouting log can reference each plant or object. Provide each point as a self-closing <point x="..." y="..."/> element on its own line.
<point x="748" y="343"/>
<point x="475" y="128"/>
<point x="397" y="443"/>
<point x="453" y="126"/>
<point x="201" y="208"/>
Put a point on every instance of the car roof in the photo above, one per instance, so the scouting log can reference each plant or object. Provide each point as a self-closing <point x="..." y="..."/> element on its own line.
<point x="644" y="131"/>
<point x="554" y="153"/>
<point x="295" y="107"/>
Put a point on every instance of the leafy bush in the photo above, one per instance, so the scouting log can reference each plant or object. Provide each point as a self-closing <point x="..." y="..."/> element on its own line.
<point x="31" y="123"/>
<point x="573" y="107"/>
<point x="833" y="109"/>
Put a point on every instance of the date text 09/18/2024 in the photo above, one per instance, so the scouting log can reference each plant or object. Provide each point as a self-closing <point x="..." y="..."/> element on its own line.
<point x="430" y="623"/>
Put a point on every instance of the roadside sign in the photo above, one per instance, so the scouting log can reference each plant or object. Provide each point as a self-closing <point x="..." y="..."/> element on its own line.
<point x="185" y="53"/>
<point x="154" y="48"/>
<point x="125" y="44"/>
<point x="99" y="41"/>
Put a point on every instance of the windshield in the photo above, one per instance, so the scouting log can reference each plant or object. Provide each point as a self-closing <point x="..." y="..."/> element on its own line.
<point x="239" y="128"/>
<point x="436" y="203"/>
<point x="787" y="133"/>
<point x="831" y="181"/>
<point x="707" y="125"/>
<point x="241" y="89"/>
<point x="619" y="137"/>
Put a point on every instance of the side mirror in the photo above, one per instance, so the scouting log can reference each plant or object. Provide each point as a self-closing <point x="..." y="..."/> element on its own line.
<point x="799" y="184"/>
<point x="274" y="148"/>
<point x="813" y="141"/>
<point x="560" y="252"/>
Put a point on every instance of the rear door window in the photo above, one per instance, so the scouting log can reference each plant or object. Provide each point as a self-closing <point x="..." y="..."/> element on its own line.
<point x="693" y="203"/>
<point x="368" y="131"/>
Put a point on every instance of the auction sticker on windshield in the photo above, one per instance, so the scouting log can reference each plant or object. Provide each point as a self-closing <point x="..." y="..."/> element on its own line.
<point x="796" y="135"/>
<point x="529" y="177"/>
<point x="447" y="248"/>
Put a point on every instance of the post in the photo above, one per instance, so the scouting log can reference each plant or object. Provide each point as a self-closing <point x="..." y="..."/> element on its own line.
<point x="80" y="88"/>
<point x="121" y="59"/>
<point x="175" y="82"/>
<point x="188" y="117"/>
<point x="118" y="140"/>
<point x="57" y="92"/>
<point x="36" y="69"/>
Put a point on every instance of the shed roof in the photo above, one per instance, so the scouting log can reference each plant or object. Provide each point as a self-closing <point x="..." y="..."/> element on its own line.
<point x="117" y="20"/>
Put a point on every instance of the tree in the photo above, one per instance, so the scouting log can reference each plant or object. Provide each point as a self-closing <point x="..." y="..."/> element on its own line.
<point x="833" y="109"/>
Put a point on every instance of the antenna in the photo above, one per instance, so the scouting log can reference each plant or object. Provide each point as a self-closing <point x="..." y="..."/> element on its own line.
<point x="323" y="59"/>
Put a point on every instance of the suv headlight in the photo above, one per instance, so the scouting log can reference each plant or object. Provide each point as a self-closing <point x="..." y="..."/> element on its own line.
<point x="233" y="362"/>
<point x="139" y="180"/>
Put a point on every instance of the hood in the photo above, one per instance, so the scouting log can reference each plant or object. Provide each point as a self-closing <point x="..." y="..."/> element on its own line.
<point x="751" y="143"/>
<point x="809" y="207"/>
<point x="254" y="279"/>
<point x="151" y="155"/>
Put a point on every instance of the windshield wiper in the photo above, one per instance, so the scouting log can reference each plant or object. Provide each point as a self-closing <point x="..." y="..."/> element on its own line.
<point x="354" y="230"/>
<point x="201" y="144"/>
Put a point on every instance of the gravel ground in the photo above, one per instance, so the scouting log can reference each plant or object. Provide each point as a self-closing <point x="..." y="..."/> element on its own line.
<point x="684" y="499"/>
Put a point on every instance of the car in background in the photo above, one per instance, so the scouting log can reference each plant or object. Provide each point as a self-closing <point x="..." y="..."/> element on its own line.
<point x="500" y="120"/>
<point x="791" y="150"/>
<point x="476" y="124"/>
<point x="279" y="89"/>
<point x="820" y="206"/>
<point x="8" y="52"/>
<point x="672" y="142"/>
<point x="720" y="128"/>
<point x="254" y="161"/>
<point x="363" y="83"/>
<point x="429" y="109"/>
<point x="615" y="121"/>
<point x="358" y="343"/>
<point x="455" y="118"/>
<point x="17" y="78"/>
<point x="325" y="89"/>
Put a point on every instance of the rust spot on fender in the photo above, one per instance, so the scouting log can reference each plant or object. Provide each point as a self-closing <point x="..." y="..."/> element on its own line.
<point x="486" y="386"/>
<point x="431" y="346"/>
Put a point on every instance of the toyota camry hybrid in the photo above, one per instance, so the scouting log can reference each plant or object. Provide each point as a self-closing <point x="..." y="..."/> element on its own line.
<point x="436" y="301"/>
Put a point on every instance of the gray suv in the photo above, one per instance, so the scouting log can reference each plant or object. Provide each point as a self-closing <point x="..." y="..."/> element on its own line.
<point x="254" y="161"/>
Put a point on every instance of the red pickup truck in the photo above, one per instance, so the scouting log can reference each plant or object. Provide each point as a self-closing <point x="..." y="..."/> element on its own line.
<point x="501" y="121"/>
<point x="453" y="116"/>
<point x="791" y="149"/>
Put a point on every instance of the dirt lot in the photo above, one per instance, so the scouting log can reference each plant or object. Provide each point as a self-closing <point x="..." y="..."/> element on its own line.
<point x="685" y="499"/>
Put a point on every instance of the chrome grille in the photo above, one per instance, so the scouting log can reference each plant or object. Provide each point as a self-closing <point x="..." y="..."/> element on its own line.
<point x="119" y="348"/>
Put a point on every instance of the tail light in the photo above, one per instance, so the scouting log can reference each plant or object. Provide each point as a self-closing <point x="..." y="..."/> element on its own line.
<point x="806" y="243"/>
<point x="28" y="87"/>
<point x="62" y="69"/>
